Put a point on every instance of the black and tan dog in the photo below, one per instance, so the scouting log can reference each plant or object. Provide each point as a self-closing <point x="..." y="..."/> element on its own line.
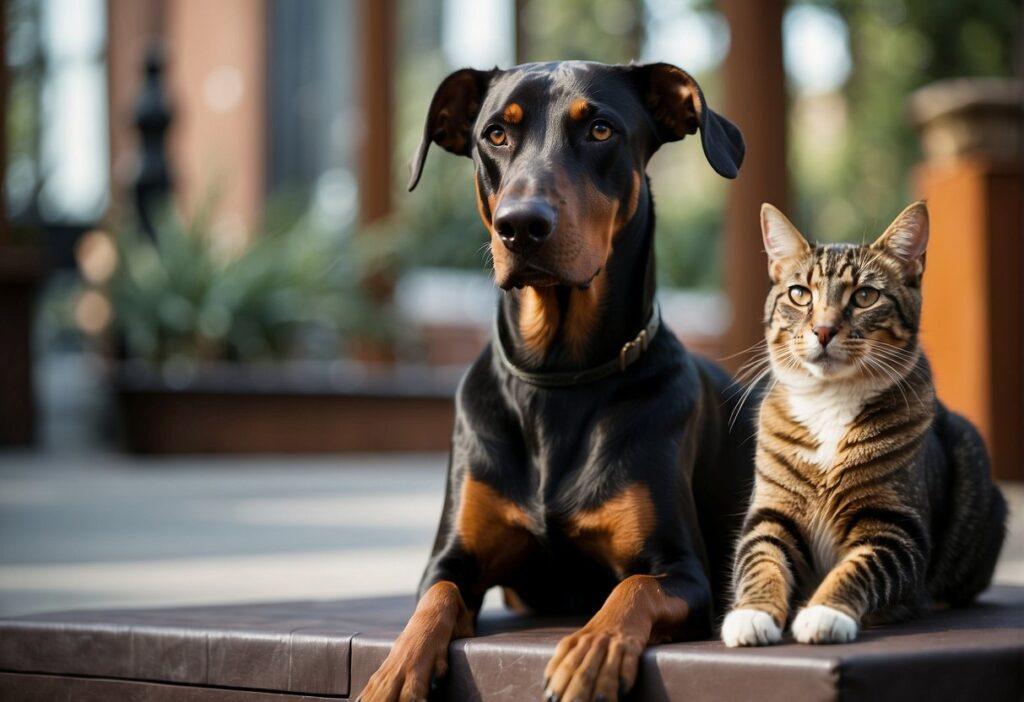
<point x="591" y="467"/>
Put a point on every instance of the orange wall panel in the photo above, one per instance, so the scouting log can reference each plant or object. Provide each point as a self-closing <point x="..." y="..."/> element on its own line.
<point x="217" y="81"/>
<point x="972" y="321"/>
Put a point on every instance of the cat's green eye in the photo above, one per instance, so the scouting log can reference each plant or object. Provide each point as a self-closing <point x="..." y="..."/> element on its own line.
<point x="799" y="295"/>
<point x="865" y="297"/>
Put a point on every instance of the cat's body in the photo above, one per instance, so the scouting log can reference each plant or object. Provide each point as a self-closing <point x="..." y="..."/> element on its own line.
<point x="871" y="499"/>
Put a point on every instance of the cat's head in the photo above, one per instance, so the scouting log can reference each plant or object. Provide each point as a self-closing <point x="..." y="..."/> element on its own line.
<point x="843" y="311"/>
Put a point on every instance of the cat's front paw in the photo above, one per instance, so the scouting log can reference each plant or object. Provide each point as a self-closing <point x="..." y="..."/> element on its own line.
<point x="820" y="624"/>
<point x="750" y="627"/>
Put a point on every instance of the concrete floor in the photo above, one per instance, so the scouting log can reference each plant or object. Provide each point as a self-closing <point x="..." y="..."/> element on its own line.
<point x="110" y="530"/>
<point x="102" y="529"/>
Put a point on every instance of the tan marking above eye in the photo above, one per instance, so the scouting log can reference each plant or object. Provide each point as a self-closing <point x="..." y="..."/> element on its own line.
<point x="579" y="109"/>
<point x="513" y="113"/>
<point x="600" y="130"/>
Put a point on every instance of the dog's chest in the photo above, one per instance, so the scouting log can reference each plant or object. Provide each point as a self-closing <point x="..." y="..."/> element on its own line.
<point x="499" y="530"/>
<point x="616" y="530"/>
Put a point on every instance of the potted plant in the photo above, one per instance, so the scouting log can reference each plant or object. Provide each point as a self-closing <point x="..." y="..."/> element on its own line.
<point x="251" y="350"/>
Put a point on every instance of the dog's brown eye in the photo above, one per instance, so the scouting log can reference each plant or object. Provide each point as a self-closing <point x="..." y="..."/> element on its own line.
<point x="799" y="295"/>
<point x="600" y="131"/>
<point x="865" y="297"/>
<point x="497" y="136"/>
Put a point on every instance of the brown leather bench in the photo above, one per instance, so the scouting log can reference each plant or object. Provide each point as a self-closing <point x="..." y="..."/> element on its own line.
<point x="326" y="650"/>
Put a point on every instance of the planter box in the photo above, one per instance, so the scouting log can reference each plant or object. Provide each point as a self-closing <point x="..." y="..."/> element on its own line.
<point x="328" y="650"/>
<point x="285" y="408"/>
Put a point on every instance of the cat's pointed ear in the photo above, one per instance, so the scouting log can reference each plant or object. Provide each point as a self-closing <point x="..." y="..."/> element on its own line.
<point x="906" y="239"/>
<point x="451" y="115"/>
<point x="782" y="241"/>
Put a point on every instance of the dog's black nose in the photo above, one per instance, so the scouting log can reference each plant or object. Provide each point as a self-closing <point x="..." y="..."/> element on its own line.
<point x="524" y="224"/>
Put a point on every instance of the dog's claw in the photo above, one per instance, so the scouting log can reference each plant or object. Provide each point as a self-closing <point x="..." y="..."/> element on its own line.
<point x="550" y="696"/>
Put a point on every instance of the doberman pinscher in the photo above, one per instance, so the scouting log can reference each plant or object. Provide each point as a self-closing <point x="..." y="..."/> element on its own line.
<point x="592" y="469"/>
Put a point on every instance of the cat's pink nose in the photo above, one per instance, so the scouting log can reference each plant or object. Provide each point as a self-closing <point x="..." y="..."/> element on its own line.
<point x="825" y="333"/>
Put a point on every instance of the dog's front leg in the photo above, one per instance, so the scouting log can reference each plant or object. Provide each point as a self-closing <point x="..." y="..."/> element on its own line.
<point x="599" y="662"/>
<point x="473" y="544"/>
<point x="420" y="653"/>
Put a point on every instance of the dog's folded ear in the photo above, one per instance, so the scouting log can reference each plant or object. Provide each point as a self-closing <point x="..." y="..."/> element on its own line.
<point x="450" y="118"/>
<point x="678" y="108"/>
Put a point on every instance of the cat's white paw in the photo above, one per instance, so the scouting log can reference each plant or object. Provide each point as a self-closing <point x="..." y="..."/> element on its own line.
<point x="749" y="627"/>
<point x="820" y="624"/>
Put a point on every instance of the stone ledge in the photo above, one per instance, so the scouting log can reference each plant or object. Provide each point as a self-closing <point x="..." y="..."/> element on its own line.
<point x="327" y="650"/>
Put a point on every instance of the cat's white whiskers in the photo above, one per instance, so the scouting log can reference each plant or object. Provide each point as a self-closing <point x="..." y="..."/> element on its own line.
<point x="748" y="372"/>
<point x="752" y="363"/>
<point x="883" y="354"/>
<point x="867" y="369"/>
<point x="899" y="367"/>
<point x="756" y="347"/>
<point x="910" y="355"/>
<point x="893" y="378"/>
<point x="746" y="393"/>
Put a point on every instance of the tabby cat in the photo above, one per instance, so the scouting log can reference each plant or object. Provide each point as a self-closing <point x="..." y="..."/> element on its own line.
<point x="871" y="499"/>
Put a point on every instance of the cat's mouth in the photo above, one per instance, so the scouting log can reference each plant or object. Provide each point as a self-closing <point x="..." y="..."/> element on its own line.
<point x="826" y="362"/>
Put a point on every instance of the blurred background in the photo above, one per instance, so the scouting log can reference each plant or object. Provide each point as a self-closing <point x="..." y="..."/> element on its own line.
<point x="229" y="338"/>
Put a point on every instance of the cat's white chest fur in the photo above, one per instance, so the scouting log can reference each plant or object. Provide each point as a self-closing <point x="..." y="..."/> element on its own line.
<point x="826" y="411"/>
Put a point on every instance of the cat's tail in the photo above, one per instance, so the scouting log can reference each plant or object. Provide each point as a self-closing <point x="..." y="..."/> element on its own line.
<point x="967" y="545"/>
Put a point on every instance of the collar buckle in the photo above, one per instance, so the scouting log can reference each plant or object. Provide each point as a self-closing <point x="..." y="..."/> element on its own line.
<point x="632" y="350"/>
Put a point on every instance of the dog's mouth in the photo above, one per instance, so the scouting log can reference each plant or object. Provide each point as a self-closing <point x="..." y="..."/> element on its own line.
<point x="534" y="275"/>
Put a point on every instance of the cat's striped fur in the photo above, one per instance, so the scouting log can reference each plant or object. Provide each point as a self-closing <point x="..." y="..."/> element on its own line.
<point x="871" y="499"/>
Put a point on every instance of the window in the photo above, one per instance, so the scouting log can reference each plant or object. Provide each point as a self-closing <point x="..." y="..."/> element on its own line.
<point x="313" y="117"/>
<point x="57" y="169"/>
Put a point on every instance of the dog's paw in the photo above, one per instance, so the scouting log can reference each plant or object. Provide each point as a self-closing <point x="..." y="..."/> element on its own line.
<point x="409" y="673"/>
<point x="820" y="624"/>
<point x="593" y="664"/>
<point x="395" y="682"/>
<point x="750" y="627"/>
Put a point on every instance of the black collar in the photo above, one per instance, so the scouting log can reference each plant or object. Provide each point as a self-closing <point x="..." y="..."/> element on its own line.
<point x="629" y="354"/>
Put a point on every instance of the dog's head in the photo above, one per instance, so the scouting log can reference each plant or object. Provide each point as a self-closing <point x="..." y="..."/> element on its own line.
<point x="560" y="151"/>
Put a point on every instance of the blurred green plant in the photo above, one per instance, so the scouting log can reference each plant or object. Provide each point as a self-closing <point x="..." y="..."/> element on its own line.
<point x="609" y="31"/>
<point x="295" y="291"/>
<point x="852" y="182"/>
